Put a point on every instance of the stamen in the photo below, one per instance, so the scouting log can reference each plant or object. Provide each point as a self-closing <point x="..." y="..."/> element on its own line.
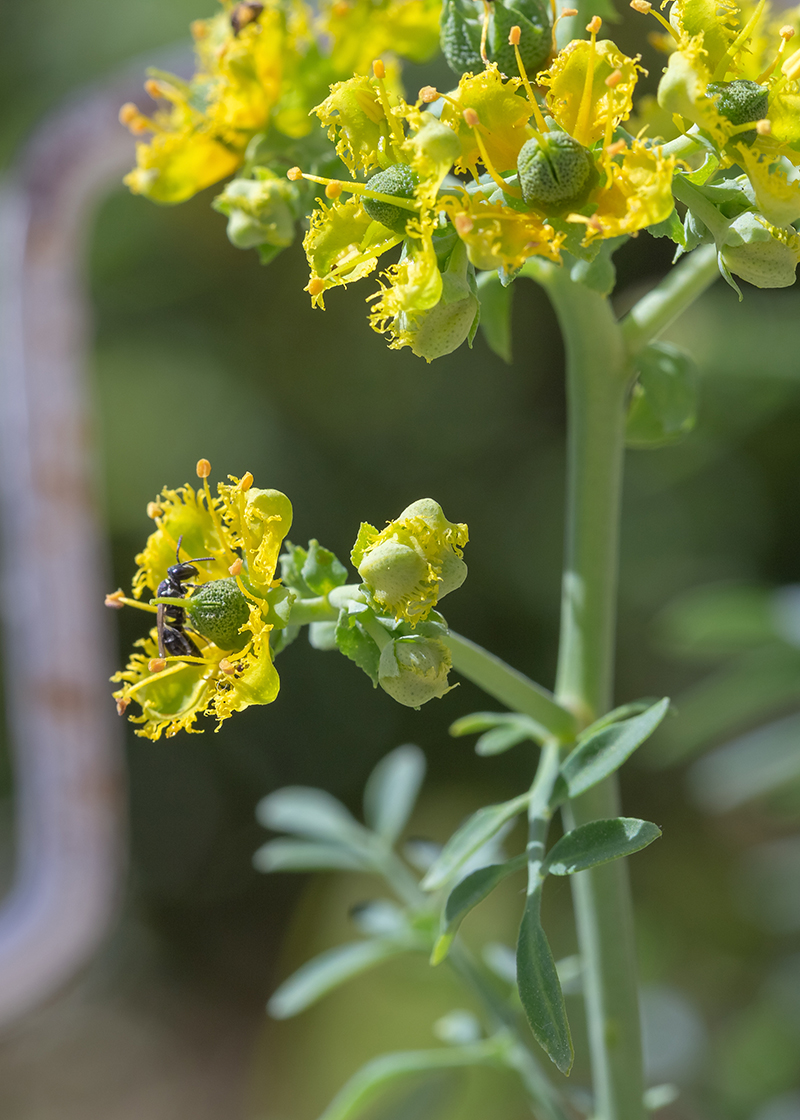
<point x="333" y="190"/>
<point x="741" y="38"/>
<point x="316" y="286"/>
<point x="464" y="224"/>
<point x="582" y="123"/>
<point x="123" y="704"/>
<point x="613" y="80"/>
<point x="236" y="566"/>
<point x="565" y="13"/>
<point x="615" y="148"/>
<point x="199" y="29"/>
<point x="156" y="665"/>
<point x="514" y="38"/>
<point x="791" y="67"/>
<point x="245" y="482"/>
<point x="763" y="127"/>
<point x="294" y="173"/>
<point x="132" y="118"/>
<point x="154" y="510"/>
<point x="472" y="119"/>
<point x="115" y="599"/>
<point x="646" y="8"/>
<point x="227" y="668"/>
<point x="487" y="11"/>
<point x="379" y="72"/>
<point x="428" y="94"/>
<point x="203" y="468"/>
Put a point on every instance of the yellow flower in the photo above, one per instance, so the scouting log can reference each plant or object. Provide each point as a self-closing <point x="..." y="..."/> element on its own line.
<point x="342" y="245"/>
<point x="637" y="193"/>
<point x="362" y="30"/>
<point x="224" y="619"/>
<point x="498" y="236"/>
<point x="412" y="563"/>
<point x="590" y="88"/>
<point x="502" y="119"/>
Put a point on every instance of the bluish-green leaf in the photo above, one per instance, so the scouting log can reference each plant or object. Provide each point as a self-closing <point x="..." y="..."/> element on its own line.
<point x="321" y="570"/>
<point x="473" y="833"/>
<point x="392" y="790"/>
<point x="617" y="715"/>
<point x="604" y="752"/>
<point x="310" y="812"/>
<point x="540" y="990"/>
<point x="304" y="855"/>
<point x="599" y="842"/>
<point x="330" y="969"/>
<point x="495" y="319"/>
<point x="502" y="730"/>
<point x="466" y="895"/>
<point x="371" y="1079"/>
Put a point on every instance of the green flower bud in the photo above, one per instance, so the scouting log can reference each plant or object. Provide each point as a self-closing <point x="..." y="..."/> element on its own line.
<point x="740" y="101"/>
<point x="440" y="331"/>
<point x="556" y="173"/>
<point x="260" y="213"/>
<point x="217" y="610"/>
<point x="765" y="256"/>
<point x="413" y="670"/>
<point x="400" y="180"/>
<point x="414" y="562"/>
<point x="461" y="29"/>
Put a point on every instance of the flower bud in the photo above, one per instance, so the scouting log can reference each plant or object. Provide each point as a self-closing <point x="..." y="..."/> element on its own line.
<point x="413" y="670"/>
<point x="260" y="213"/>
<point x="217" y="610"/>
<point x="765" y="256"/>
<point x="740" y="101"/>
<point x="414" y="562"/>
<point x="435" y="333"/>
<point x="399" y="180"/>
<point x="556" y="173"/>
<point x="461" y="30"/>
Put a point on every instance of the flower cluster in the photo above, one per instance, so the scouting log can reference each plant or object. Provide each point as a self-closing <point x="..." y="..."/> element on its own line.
<point x="527" y="157"/>
<point x="220" y="629"/>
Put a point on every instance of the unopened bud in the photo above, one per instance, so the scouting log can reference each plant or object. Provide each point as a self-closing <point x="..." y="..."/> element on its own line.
<point x="413" y="670"/>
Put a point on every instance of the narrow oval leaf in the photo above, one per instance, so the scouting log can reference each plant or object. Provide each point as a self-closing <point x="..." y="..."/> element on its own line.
<point x="474" y="832"/>
<point x="475" y="722"/>
<point x="304" y="855"/>
<point x="361" y="1089"/>
<point x="327" y="971"/>
<point x="599" y="842"/>
<point x="540" y="990"/>
<point x="466" y="895"/>
<point x="309" y="812"/>
<point x="501" y="739"/>
<point x="392" y="789"/>
<point x="604" y="752"/>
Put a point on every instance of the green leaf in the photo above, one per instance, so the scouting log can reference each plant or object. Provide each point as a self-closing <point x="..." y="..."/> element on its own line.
<point x="503" y="730"/>
<point x="361" y="1090"/>
<point x="310" y="812"/>
<point x="540" y="990"/>
<point x="473" y="833"/>
<point x="748" y="767"/>
<point x="322" y="635"/>
<point x="671" y="227"/>
<point x="501" y="739"/>
<point x="291" y="561"/>
<point x="604" y="752"/>
<point x="354" y="642"/>
<point x="496" y="314"/>
<point x="392" y="790"/>
<point x="466" y="895"/>
<point x="617" y="715"/>
<point x="321" y="570"/>
<point x="302" y="855"/>
<point x="598" y="842"/>
<point x="663" y="403"/>
<point x="600" y="273"/>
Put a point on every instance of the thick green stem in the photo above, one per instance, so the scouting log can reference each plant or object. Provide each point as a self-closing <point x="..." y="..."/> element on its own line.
<point x="597" y="383"/>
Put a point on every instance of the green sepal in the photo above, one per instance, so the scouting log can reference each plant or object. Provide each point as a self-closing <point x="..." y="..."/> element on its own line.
<point x="321" y="570"/>
<point x="354" y="642"/>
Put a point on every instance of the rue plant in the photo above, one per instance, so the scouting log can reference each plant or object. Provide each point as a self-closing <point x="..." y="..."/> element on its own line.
<point x="535" y="163"/>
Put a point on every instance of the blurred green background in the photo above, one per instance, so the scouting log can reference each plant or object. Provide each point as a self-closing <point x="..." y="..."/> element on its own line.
<point x="168" y="1021"/>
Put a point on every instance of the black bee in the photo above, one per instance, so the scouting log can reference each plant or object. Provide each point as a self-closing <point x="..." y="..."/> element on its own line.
<point x="246" y="12"/>
<point x="171" y="619"/>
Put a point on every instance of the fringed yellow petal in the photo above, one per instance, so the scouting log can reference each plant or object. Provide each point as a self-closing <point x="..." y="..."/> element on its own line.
<point x="776" y="185"/>
<point x="342" y="245"/>
<point x="354" y="117"/>
<point x="498" y="237"/>
<point x="176" y="165"/>
<point x="566" y="83"/>
<point x="362" y="30"/>
<point x="638" y="194"/>
<point x="503" y="119"/>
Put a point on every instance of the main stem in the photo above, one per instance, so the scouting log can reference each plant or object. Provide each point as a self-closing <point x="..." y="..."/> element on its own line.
<point x="597" y="384"/>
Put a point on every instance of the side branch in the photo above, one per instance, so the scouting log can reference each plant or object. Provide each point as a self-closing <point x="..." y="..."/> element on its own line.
<point x="669" y="299"/>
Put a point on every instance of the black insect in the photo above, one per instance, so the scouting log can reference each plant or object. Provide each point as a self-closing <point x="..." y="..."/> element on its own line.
<point x="171" y="619"/>
<point x="244" y="13"/>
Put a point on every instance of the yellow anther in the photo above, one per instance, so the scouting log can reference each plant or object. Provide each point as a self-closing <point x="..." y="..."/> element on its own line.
<point x="236" y="566"/>
<point x="114" y="599"/>
<point x="199" y="29"/>
<point x="154" y="510"/>
<point x="333" y="190"/>
<point x="643" y="6"/>
<point x="763" y="127"/>
<point x="787" y="32"/>
<point x="615" y="148"/>
<point x="514" y="36"/>
<point x="614" y="79"/>
<point x="567" y="13"/>
<point x="378" y="69"/>
<point x="594" y="25"/>
<point x="245" y="482"/>
<point x="122" y="704"/>
<point x="153" y="88"/>
<point x="294" y="173"/>
<point x="227" y="667"/>
<point x="128" y="112"/>
<point x="203" y="468"/>
<point x="428" y="94"/>
<point x="464" y="224"/>
<point x="316" y="286"/>
<point x="471" y="118"/>
<point x="156" y="665"/>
